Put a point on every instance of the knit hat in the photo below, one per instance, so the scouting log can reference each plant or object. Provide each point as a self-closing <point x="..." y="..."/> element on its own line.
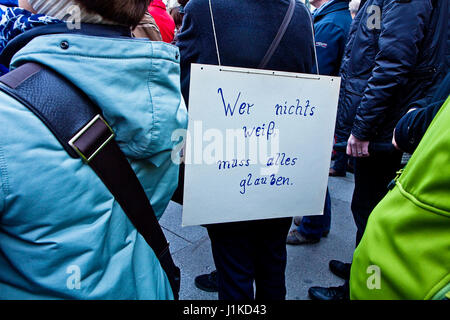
<point x="64" y="9"/>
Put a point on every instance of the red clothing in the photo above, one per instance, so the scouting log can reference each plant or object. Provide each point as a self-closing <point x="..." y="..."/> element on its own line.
<point x="163" y="19"/>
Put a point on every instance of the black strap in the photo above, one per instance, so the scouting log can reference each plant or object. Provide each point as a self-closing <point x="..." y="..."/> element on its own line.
<point x="78" y="125"/>
<point x="281" y="31"/>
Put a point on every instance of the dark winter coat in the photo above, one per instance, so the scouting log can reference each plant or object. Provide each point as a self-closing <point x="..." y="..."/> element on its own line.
<point x="412" y="127"/>
<point x="245" y="30"/>
<point x="395" y="54"/>
<point x="9" y="3"/>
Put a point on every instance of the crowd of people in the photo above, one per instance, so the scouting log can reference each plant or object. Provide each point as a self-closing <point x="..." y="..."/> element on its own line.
<point x="68" y="229"/>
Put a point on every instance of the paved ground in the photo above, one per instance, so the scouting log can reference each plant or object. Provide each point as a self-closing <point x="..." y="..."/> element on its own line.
<point x="307" y="265"/>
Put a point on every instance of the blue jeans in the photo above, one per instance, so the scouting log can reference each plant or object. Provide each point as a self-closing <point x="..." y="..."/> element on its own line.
<point x="313" y="227"/>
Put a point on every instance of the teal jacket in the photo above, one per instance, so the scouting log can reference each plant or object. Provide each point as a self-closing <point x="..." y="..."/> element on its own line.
<point x="62" y="234"/>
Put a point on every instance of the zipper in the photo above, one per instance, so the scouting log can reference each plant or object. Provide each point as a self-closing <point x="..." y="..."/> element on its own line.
<point x="392" y="184"/>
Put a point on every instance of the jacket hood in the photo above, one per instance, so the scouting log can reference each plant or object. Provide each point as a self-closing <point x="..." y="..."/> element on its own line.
<point x="134" y="82"/>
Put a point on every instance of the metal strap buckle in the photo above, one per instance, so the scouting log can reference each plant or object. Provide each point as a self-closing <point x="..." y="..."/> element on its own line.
<point x="92" y="138"/>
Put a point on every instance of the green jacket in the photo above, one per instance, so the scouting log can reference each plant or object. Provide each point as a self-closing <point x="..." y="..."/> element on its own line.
<point x="405" y="250"/>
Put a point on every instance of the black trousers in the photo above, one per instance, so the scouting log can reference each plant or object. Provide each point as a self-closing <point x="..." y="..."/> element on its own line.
<point x="247" y="253"/>
<point x="372" y="177"/>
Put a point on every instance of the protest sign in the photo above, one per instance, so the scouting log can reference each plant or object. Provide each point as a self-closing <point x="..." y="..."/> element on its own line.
<point x="258" y="144"/>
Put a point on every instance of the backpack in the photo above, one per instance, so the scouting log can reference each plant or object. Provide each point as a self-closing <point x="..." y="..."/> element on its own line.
<point x="405" y="250"/>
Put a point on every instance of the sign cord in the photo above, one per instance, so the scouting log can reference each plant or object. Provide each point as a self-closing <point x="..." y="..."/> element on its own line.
<point x="214" y="31"/>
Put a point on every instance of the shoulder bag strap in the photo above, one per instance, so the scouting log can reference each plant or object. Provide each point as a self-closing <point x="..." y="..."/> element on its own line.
<point x="281" y="31"/>
<point x="275" y="42"/>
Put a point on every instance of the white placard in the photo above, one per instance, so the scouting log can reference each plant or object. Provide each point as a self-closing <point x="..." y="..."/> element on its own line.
<point x="258" y="144"/>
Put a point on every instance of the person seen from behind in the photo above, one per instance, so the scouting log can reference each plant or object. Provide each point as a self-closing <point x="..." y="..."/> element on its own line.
<point x="63" y="235"/>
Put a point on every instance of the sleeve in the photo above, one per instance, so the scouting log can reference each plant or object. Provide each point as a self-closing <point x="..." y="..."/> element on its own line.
<point x="402" y="31"/>
<point x="412" y="127"/>
<point x="189" y="50"/>
<point x="330" y="44"/>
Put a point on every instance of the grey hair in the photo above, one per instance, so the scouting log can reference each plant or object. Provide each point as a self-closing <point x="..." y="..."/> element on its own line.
<point x="354" y="5"/>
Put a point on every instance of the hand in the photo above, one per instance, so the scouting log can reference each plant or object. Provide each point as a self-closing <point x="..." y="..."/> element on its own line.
<point x="357" y="148"/>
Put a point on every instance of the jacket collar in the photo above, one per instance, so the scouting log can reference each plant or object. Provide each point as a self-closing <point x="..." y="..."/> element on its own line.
<point x="329" y="7"/>
<point x="87" y="29"/>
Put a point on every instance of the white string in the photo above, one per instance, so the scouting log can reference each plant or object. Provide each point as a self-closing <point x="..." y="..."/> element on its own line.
<point x="214" y="31"/>
<point x="314" y="43"/>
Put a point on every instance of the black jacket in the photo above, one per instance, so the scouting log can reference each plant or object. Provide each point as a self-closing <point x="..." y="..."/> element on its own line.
<point x="245" y="30"/>
<point x="412" y="127"/>
<point x="394" y="55"/>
